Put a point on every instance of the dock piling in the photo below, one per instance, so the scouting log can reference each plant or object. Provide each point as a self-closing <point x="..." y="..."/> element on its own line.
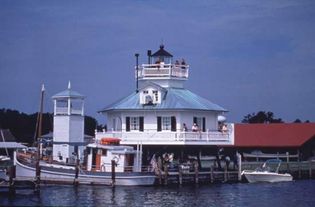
<point x="239" y="165"/>
<point x="211" y="174"/>
<point x="76" y="172"/>
<point x="310" y="169"/>
<point x="299" y="169"/>
<point x="165" y="173"/>
<point x="180" y="175"/>
<point x="225" y="174"/>
<point x="113" y="172"/>
<point x="196" y="166"/>
<point x="11" y="175"/>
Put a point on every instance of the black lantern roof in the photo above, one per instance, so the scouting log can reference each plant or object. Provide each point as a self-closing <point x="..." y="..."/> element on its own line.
<point x="161" y="52"/>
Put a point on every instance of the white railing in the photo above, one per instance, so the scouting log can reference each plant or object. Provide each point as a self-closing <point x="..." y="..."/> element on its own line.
<point x="163" y="70"/>
<point x="61" y="110"/>
<point x="154" y="137"/>
<point x="64" y="110"/>
<point x="76" y="111"/>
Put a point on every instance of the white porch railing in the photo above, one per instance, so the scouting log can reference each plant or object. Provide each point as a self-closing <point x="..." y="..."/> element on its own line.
<point x="172" y="138"/>
<point x="163" y="70"/>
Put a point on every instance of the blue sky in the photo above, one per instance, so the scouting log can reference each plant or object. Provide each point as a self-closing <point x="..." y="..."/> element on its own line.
<point x="245" y="55"/>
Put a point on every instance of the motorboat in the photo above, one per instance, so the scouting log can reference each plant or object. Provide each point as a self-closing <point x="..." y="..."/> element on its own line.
<point x="268" y="172"/>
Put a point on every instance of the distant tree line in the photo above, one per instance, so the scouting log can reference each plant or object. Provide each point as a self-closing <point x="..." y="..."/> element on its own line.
<point x="23" y="126"/>
<point x="265" y="117"/>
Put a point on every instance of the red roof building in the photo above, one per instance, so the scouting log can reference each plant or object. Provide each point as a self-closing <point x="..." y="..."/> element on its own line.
<point x="273" y="135"/>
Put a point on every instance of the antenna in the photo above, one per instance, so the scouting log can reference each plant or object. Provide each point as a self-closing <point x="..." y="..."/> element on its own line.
<point x="137" y="70"/>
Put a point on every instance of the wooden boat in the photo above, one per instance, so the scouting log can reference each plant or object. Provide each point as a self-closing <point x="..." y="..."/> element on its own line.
<point x="104" y="163"/>
<point x="107" y="164"/>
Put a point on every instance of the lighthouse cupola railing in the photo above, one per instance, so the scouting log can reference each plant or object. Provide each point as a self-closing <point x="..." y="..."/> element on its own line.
<point x="161" y="65"/>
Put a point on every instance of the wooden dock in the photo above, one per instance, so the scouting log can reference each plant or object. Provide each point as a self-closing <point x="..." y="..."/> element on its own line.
<point x="298" y="169"/>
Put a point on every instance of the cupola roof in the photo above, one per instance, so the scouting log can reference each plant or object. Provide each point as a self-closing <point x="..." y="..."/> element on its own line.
<point x="162" y="52"/>
<point x="69" y="93"/>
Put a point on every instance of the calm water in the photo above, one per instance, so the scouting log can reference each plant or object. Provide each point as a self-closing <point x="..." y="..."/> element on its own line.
<point x="296" y="193"/>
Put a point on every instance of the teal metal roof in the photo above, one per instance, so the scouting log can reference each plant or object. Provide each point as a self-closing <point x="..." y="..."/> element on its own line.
<point x="68" y="94"/>
<point x="174" y="99"/>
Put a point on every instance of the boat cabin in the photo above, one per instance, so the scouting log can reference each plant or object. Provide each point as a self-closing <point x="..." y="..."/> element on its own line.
<point x="101" y="154"/>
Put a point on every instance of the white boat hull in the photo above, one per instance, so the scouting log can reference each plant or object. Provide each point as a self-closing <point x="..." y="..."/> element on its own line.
<point x="255" y="176"/>
<point x="66" y="176"/>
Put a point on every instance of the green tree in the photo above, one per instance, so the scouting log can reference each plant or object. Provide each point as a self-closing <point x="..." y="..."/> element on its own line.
<point x="261" y="117"/>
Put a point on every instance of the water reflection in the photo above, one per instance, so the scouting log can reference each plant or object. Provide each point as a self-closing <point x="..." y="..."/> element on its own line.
<point x="299" y="193"/>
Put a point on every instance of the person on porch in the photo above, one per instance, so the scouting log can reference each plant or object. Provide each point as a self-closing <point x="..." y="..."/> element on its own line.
<point x="195" y="128"/>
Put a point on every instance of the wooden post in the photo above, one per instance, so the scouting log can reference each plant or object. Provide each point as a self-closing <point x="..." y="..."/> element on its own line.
<point x="113" y="172"/>
<point x="196" y="166"/>
<point x="165" y="173"/>
<point x="11" y="176"/>
<point x="299" y="168"/>
<point x="11" y="170"/>
<point x="310" y="169"/>
<point x="76" y="182"/>
<point x="211" y="174"/>
<point x="37" y="178"/>
<point x="159" y="165"/>
<point x="76" y="148"/>
<point x="239" y="164"/>
<point x="160" y="176"/>
<point x="225" y="174"/>
<point x="288" y="160"/>
<point x="180" y="175"/>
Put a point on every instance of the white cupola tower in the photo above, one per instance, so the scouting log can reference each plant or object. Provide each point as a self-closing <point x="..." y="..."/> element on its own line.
<point x="68" y="134"/>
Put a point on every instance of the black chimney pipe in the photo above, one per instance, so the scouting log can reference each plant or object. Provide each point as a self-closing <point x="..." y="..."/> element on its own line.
<point x="149" y="56"/>
<point x="137" y="69"/>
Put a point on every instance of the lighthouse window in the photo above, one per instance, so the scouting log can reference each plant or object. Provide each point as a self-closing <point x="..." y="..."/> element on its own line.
<point x="134" y="123"/>
<point x="62" y="103"/>
<point x="166" y="123"/>
<point x="156" y="95"/>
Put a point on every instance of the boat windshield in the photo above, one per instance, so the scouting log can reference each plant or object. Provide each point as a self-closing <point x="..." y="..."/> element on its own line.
<point x="271" y="165"/>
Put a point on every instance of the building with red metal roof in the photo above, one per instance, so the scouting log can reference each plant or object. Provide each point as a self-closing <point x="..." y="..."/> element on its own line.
<point x="273" y="135"/>
<point x="294" y="137"/>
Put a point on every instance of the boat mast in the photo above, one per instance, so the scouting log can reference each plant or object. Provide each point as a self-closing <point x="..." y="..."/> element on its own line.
<point x="39" y="132"/>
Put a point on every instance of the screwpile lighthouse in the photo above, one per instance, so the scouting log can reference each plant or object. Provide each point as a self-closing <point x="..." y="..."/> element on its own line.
<point x="161" y="112"/>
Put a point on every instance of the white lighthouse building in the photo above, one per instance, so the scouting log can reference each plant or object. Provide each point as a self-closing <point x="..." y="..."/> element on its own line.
<point x="162" y="112"/>
<point x="68" y="136"/>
